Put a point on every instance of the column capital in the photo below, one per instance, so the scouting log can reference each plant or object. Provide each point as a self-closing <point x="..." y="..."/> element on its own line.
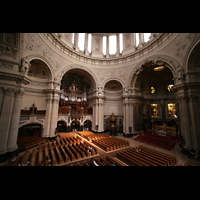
<point x="9" y="91"/>
<point x="19" y="93"/>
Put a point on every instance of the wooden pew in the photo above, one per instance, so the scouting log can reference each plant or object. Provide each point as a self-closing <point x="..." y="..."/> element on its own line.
<point x="39" y="162"/>
<point x="25" y="156"/>
<point x="64" y="154"/>
<point x="70" y="154"/>
<point x="53" y="158"/>
<point x="104" y="161"/>
<point x="33" y="157"/>
<point x="60" y="159"/>
<point x="112" y="161"/>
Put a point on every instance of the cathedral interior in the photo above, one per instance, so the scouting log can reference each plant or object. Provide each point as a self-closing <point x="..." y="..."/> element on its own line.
<point x="67" y="92"/>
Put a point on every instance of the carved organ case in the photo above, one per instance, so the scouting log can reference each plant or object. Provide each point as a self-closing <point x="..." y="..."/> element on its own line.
<point x="73" y="101"/>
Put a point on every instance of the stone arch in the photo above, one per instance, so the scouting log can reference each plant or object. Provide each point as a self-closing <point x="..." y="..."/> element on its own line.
<point x="67" y="68"/>
<point x="113" y="79"/>
<point x="169" y="62"/>
<point x="191" y="59"/>
<point x="29" y="123"/>
<point x="43" y="59"/>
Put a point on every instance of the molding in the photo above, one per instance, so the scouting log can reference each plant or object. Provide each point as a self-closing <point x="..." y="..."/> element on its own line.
<point x="59" y="46"/>
<point x="14" y="77"/>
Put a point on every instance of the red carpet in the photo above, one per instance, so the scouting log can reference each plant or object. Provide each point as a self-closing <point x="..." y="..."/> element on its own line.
<point x="158" y="141"/>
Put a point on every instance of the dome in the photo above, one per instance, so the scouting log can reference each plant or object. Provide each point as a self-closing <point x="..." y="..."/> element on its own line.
<point x="106" y="49"/>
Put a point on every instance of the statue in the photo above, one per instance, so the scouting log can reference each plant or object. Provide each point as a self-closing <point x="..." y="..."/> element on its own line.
<point x="25" y="65"/>
<point x="33" y="108"/>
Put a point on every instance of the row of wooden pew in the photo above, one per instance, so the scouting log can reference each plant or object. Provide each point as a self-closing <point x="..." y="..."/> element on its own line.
<point x="29" y="142"/>
<point x="56" y="153"/>
<point x="188" y="163"/>
<point x="90" y="136"/>
<point x="108" y="161"/>
<point x="144" y="156"/>
<point x="111" y="143"/>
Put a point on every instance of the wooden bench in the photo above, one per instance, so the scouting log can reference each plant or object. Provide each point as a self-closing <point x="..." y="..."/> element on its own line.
<point x="33" y="157"/>
<point x="64" y="154"/>
<point x="172" y="159"/>
<point x="112" y="161"/>
<point x="39" y="162"/>
<point x="69" y="153"/>
<point x="53" y="158"/>
<point x="35" y="143"/>
<point x="60" y="159"/>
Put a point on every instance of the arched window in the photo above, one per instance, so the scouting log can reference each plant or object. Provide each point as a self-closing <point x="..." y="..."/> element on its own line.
<point x="137" y="39"/>
<point x="147" y="37"/>
<point x="112" y="44"/>
<point x="120" y="43"/>
<point x="104" y="45"/>
<point x="73" y="38"/>
<point x="90" y="43"/>
<point x="81" y="41"/>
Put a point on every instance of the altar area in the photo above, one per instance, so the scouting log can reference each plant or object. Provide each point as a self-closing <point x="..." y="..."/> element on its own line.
<point x="157" y="140"/>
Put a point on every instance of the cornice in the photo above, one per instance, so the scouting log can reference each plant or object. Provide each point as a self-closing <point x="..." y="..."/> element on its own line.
<point x="14" y="77"/>
<point x="60" y="47"/>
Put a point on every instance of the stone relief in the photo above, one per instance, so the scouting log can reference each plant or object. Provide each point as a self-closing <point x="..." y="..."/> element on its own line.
<point x="6" y="65"/>
<point x="179" y="47"/>
<point x="34" y="44"/>
<point x="8" y="51"/>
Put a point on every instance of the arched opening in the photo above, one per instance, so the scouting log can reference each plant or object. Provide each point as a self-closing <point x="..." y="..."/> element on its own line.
<point x="194" y="59"/>
<point x="28" y="133"/>
<point x="61" y="126"/>
<point x="39" y="69"/>
<point x="76" y="85"/>
<point x="87" y="125"/>
<point x="157" y="106"/>
<point x="113" y="104"/>
<point x="75" y="125"/>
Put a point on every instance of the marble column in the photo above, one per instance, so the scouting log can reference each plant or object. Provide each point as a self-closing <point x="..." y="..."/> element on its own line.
<point x="137" y="117"/>
<point x="163" y="112"/>
<point x="124" y="116"/>
<point x="185" y="122"/>
<point x="130" y="116"/>
<point x="195" y="123"/>
<point x="54" y="116"/>
<point x="97" y="114"/>
<point x="14" y="124"/>
<point x="48" y="116"/>
<point x="117" y="53"/>
<point x="6" y="114"/>
<point x="101" y="113"/>
<point x="86" y="44"/>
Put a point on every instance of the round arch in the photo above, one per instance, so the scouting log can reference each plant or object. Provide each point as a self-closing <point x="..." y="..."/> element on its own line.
<point x="186" y="64"/>
<point x="30" y="123"/>
<point x="172" y="64"/>
<point x="43" y="59"/>
<point x="113" y="79"/>
<point x="67" y="68"/>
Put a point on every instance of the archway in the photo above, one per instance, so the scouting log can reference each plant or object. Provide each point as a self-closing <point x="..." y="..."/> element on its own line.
<point x="75" y="125"/>
<point x="87" y="125"/>
<point x="113" y="103"/>
<point x="61" y="126"/>
<point x="28" y="133"/>
<point x="155" y="102"/>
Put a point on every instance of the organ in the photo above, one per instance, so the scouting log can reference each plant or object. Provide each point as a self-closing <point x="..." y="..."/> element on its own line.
<point x="73" y="101"/>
